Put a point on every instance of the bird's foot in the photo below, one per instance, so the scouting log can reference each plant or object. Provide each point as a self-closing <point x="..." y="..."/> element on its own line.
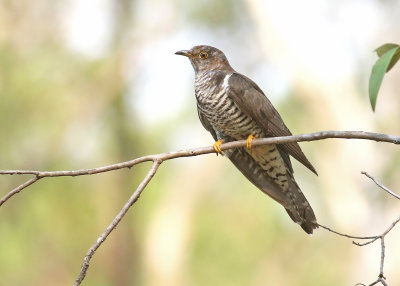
<point x="216" y="146"/>
<point x="249" y="140"/>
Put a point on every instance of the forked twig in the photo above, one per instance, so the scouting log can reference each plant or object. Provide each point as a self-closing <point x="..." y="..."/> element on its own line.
<point x="370" y="239"/>
<point x="115" y="222"/>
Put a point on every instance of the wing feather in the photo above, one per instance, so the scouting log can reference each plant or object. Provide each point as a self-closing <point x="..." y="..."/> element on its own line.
<point x="251" y="100"/>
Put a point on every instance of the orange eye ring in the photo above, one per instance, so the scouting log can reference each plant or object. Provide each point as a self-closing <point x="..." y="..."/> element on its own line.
<point x="203" y="55"/>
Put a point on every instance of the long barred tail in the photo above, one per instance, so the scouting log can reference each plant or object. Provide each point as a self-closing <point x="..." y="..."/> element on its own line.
<point x="299" y="209"/>
<point x="292" y="199"/>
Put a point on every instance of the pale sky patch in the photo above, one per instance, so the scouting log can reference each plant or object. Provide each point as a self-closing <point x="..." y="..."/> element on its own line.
<point x="87" y="26"/>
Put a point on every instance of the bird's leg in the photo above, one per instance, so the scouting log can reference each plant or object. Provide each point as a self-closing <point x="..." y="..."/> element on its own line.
<point x="249" y="140"/>
<point x="216" y="146"/>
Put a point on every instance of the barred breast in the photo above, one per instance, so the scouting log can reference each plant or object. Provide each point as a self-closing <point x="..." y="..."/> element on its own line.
<point x="228" y="120"/>
<point x="220" y="110"/>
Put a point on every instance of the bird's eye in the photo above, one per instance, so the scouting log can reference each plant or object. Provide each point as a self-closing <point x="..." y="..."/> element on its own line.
<point x="203" y="55"/>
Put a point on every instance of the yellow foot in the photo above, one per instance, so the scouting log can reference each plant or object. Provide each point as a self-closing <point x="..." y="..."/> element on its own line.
<point x="249" y="140"/>
<point x="216" y="146"/>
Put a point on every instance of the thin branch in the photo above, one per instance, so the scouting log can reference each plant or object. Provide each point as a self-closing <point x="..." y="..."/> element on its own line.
<point x="18" y="189"/>
<point x="347" y="235"/>
<point x="115" y="222"/>
<point x="199" y="151"/>
<point x="381" y="186"/>
<point x="82" y="172"/>
<point x="381" y="278"/>
<point x="206" y="150"/>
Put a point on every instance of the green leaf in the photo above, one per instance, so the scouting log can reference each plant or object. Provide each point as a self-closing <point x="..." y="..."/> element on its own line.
<point x="386" y="47"/>
<point x="378" y="71"/>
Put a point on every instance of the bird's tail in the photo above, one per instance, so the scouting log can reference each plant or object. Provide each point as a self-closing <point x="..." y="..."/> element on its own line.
<point x="292" y="200"/>
<point x="299" y="209"/>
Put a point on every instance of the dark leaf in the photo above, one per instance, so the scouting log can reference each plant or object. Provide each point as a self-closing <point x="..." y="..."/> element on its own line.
<point x="378" y="71"/>
<point x="386" y="47"/>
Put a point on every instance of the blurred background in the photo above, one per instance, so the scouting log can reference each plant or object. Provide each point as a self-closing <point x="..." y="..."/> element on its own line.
<point x="90" y="83"/>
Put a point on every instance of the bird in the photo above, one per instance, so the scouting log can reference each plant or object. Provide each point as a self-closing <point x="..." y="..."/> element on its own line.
<point x="232" y="107"/>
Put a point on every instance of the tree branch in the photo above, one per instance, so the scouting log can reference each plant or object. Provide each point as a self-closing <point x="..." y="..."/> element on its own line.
<point x="135" y="196"/>
<point x="157" y="159"/>
<point x="370" y="239"/>
<point x="18" y="189"/>
<point x="381" y="186"/>
<point x="195" y="152"/>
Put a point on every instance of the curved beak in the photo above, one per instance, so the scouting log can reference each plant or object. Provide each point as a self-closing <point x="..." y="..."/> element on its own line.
<point x="185" y="53"/>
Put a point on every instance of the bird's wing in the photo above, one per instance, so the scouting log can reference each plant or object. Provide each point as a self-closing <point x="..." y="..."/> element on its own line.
<point x="250" y="99"/>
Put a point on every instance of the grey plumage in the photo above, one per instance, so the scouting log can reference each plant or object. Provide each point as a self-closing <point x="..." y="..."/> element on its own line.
<point x="232" y="107"/>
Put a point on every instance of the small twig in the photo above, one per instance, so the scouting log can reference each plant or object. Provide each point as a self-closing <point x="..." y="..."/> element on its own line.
<point x="366" y="243"/>
<point x="382" y="257"/>
<point x="381" y="278"/>
<point x="381" y="186"/>
<point x="347" y="235"/>
<point x="18" y="189"/>
<point x="114" y="223"/>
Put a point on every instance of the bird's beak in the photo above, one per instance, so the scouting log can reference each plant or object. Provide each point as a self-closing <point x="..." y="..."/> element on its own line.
<point x="185" y="53"/>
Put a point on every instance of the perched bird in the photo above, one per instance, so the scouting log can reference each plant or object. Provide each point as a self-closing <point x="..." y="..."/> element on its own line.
<point x="232" y="107"/>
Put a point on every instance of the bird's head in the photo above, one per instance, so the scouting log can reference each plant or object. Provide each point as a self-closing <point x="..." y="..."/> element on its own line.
<point x="206" y="58"/>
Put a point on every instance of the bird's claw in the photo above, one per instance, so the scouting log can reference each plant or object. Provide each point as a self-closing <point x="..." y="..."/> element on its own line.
<point x="216" y="146"/>
<point x="249" y="140"/>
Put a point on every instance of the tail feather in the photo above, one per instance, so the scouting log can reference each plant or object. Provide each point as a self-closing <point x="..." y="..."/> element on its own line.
<point x="300" y="210"/>
<point x="293" y="200"/>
